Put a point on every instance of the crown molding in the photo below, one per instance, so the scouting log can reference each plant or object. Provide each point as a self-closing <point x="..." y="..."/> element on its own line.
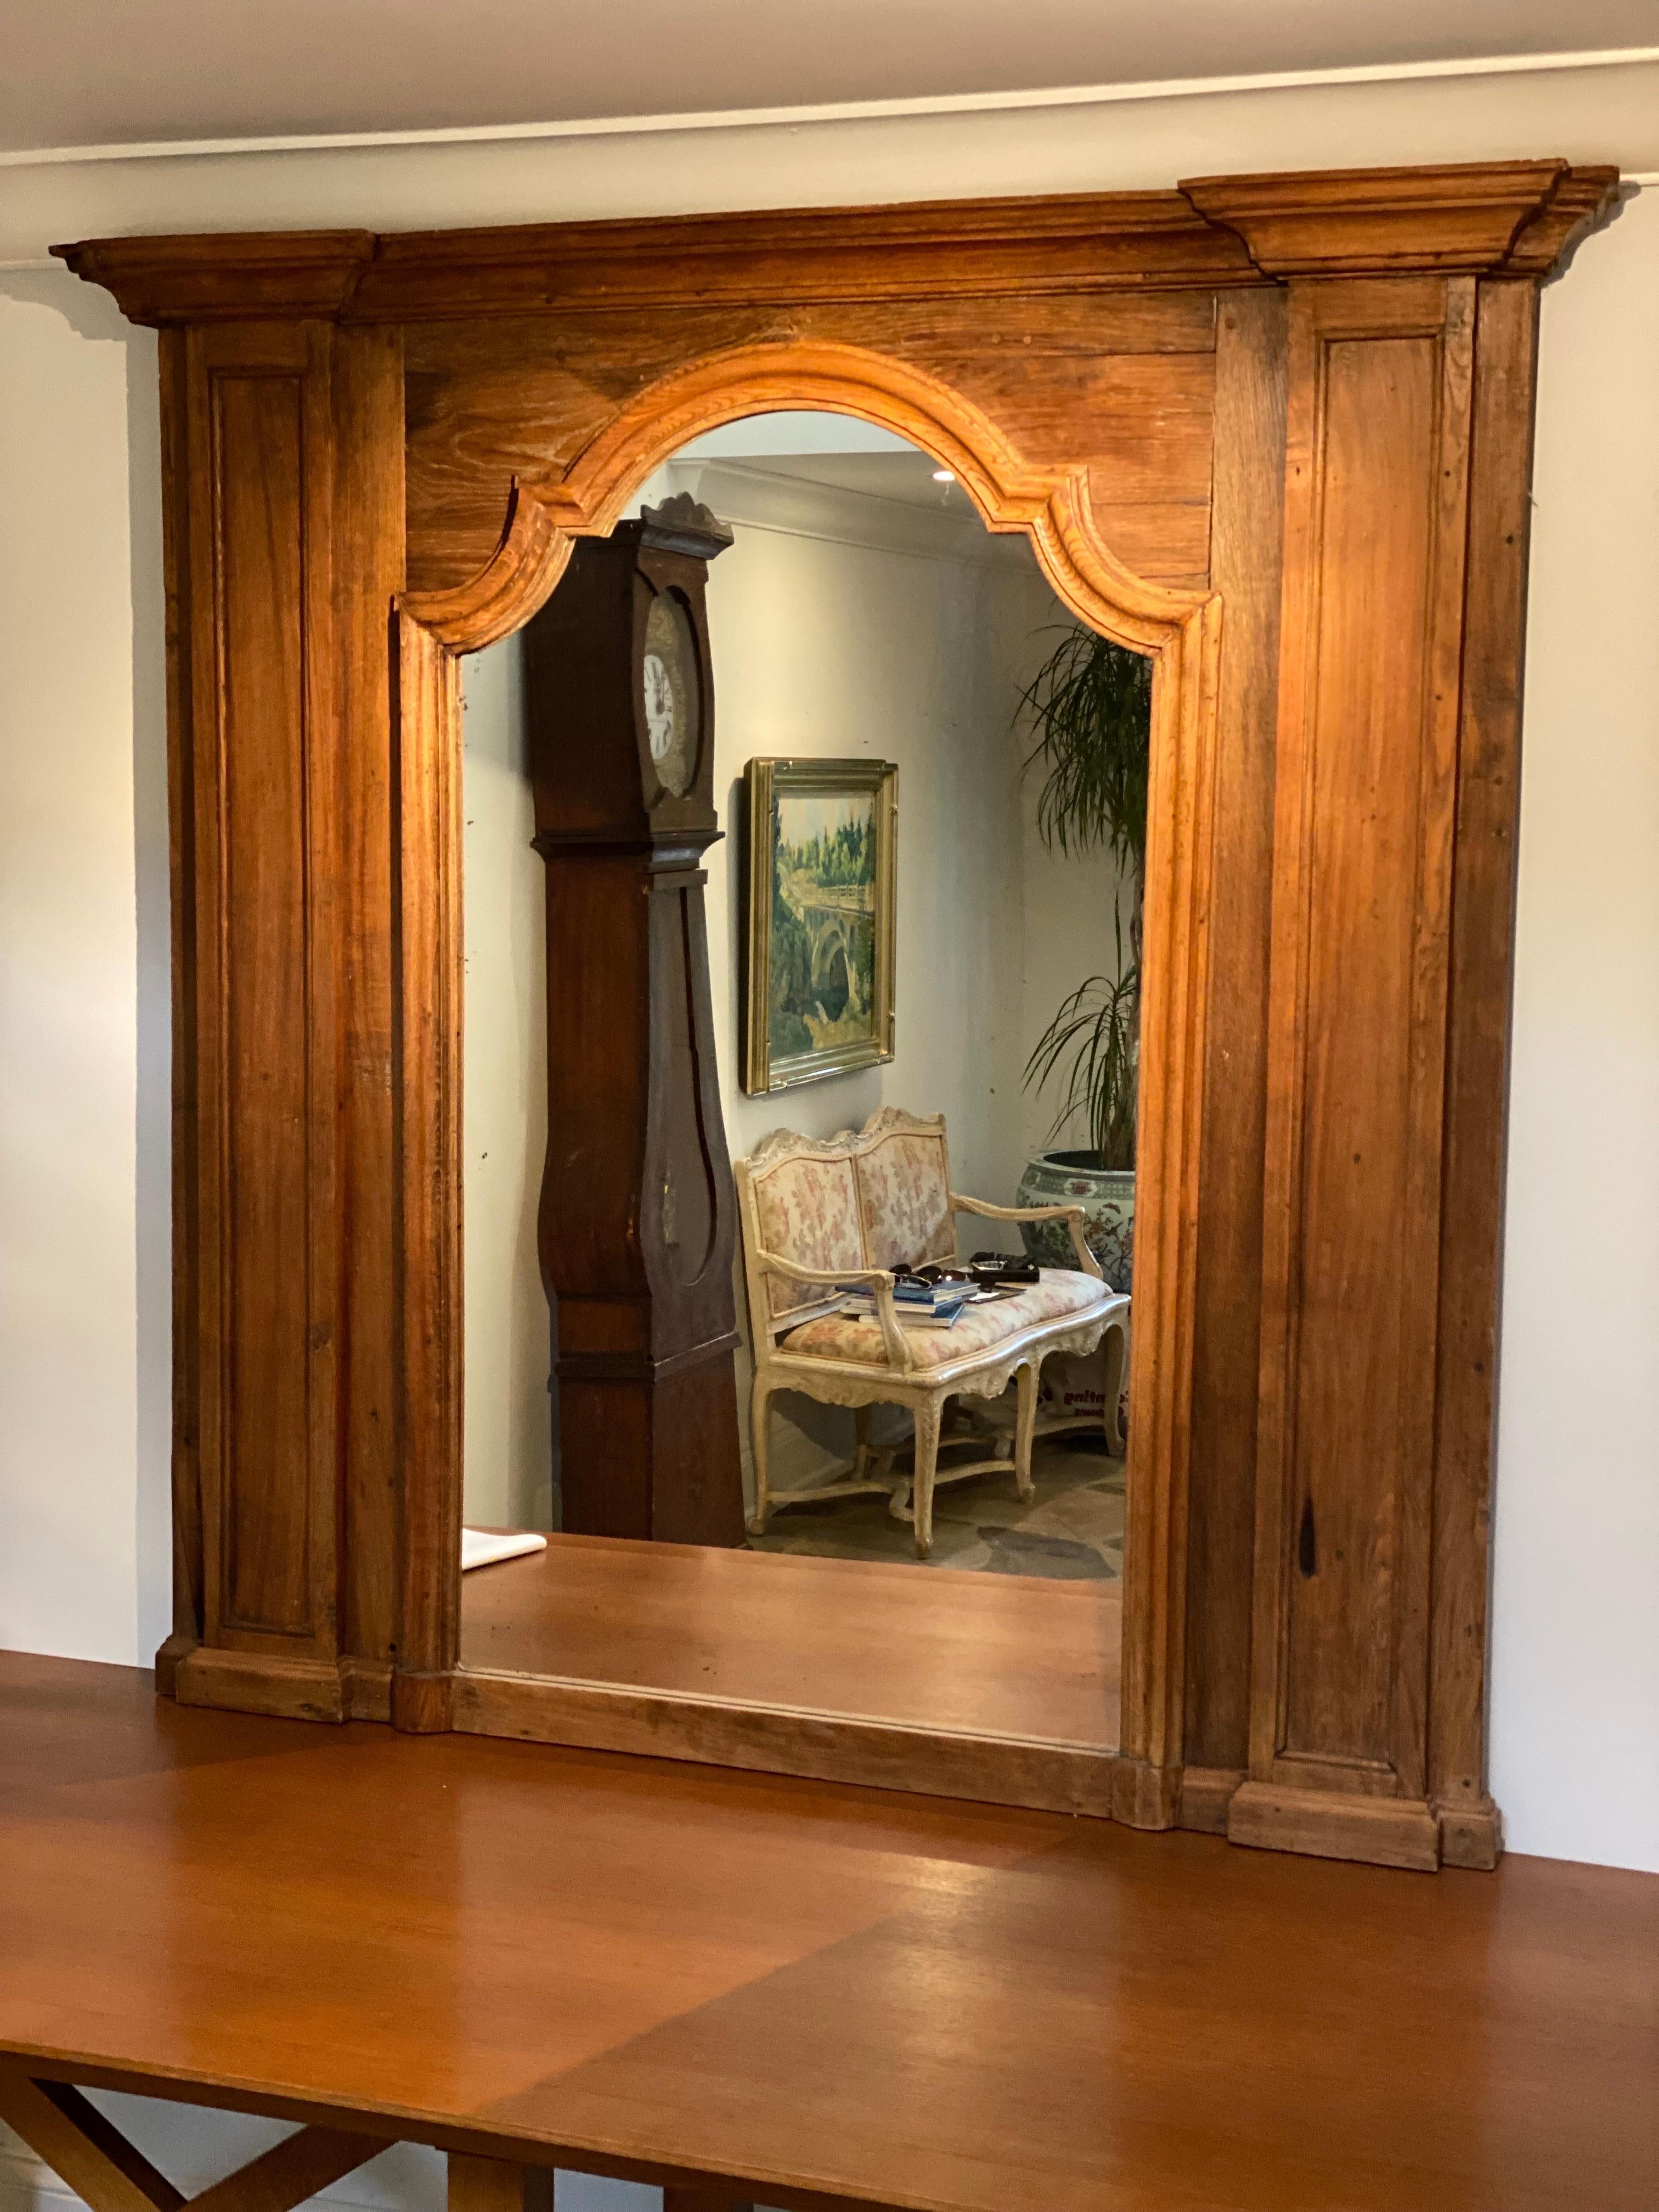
<point x="1477" y="217"/>
<point x="1466" y="218"/>
<point x="835" y="111"/>
<point x="210" y="278"/>
<point x="1070" y="243"/>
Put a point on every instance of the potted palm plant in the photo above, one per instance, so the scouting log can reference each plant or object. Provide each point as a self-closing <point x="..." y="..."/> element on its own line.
<point x="1089" y="708"/>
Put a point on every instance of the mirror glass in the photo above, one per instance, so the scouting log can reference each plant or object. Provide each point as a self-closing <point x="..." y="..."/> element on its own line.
<point x="922" y="905"/>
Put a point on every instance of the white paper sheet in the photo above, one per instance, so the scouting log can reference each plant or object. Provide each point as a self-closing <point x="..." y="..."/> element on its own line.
<point x="480" y="1547"/>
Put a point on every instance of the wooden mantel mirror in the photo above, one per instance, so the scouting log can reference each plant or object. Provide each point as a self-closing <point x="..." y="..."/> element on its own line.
<point x="1272" y="432"/>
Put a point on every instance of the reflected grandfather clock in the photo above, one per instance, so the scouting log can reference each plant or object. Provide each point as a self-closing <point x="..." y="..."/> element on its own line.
<point x="637" y="1206"/>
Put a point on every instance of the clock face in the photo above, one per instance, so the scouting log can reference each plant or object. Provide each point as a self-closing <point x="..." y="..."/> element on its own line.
<point x="671" y="695"/>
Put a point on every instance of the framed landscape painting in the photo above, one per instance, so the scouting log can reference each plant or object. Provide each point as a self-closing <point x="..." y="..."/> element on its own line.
<point x="820" y="977"/>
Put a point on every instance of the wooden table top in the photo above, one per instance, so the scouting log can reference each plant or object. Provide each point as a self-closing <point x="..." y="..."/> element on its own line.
<point x="821" y="1994"/>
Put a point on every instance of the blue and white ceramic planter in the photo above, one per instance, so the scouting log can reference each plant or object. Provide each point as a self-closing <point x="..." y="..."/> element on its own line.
<point x="1106" y="1196"/>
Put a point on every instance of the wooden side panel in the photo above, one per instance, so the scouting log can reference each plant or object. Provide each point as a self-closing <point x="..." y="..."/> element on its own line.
<point x="368" y="397"/>
<point x="1246" y="541"/>
<point x="431" y="1272"/>
<point x="1482" y="957"/>
<point x="187" y="1562"/>
<point x="263" y="685"/>
<point x="1376" y="513"/>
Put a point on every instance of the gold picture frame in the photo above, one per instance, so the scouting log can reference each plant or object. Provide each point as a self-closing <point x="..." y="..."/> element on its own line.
<point x="822" y="854"/>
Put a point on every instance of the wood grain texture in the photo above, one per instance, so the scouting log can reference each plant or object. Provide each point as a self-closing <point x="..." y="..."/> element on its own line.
<point x="1019" y="247"/>
<point x="1464" y="218"/>
<point x="1205" y="1794"/>
<point x="1336" y="1824"/>
<point x="801" y="1996"/>
<point x="187" y="1472"/>
<point x="430" y="1280"/>
<point x="1377" y="473"/>
<point x="1175" y="989"/>
<point x="1124" y="387"/>
<point x="254" y="1681"/>
<point x="368" y="446"/>
<point x="1245" y="564"/>
<point x="1014" y="1656"/>
<point x="816" y="1745"/>
<point x="262" y="705"/>
<point x="1182" y="632"/>
<point x="1101" y="373"/>
<point x="1477" y="1063"/>
<point x="185" y="282"/>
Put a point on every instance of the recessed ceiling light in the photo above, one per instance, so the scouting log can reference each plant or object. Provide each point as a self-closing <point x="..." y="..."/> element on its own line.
<point x="945" y="476"/>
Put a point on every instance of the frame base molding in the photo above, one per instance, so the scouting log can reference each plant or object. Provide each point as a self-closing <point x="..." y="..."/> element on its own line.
<point x="1060" y="1777"/>
<point x="1145" y="1795"/>
<point x="1471" y="1836"/>
<point x="1380" y="1831"/>
<point x="259" y="1682"/>
<point x="1206" y="1792"/>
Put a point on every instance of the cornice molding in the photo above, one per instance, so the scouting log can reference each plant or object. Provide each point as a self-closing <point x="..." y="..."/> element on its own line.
<point x="1213" y="232"/>
<point x="1467" y="218"/>
<point x="1582" y="197"/>
<point x="211" y="277"/>
<point x="1074" y="243"/>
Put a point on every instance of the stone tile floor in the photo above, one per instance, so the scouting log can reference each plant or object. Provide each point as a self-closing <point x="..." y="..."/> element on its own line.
<point x="1071" y="1531"/>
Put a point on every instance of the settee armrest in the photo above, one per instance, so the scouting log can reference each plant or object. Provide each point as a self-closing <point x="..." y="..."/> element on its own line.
<point x="1072" y="1215"/>
<point x="879" y="1279"/>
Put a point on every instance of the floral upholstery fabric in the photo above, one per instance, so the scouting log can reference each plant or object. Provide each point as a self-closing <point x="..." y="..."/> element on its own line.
<point x="1057" y="1291"/>
<point x="905" y="1202"/>
<point x="808" y="1212"/>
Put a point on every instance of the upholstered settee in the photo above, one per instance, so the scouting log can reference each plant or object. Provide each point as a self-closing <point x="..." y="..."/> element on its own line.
<point x="822" y="1216"/>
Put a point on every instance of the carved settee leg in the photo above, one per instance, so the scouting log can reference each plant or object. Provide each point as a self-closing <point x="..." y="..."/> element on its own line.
<point x="1025" y="1379"/>
<point x="927" y="1426"/>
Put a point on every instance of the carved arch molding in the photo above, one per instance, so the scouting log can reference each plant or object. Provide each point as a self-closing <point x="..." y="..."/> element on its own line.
<point x="1275" y="431"/>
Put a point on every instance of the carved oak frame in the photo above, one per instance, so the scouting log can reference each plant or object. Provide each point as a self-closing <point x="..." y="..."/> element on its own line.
<point x="339" y="446"/>
<point x="1181" y="631"/>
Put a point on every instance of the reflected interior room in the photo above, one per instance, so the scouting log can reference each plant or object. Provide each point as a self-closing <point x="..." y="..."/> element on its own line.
<point x="901" y="1491"/>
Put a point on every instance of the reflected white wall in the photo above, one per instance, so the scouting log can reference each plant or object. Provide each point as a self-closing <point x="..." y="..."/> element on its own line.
<point x="510" y="1438"/>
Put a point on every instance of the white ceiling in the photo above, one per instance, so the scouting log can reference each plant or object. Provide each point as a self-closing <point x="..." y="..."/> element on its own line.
<point x="910" y="478"/>
<point x="834" y="452"/>
<point x="94" y="72"/>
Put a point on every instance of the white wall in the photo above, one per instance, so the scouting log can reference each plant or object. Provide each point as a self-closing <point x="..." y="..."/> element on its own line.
<point x="1575" y="1644"/>
<point x="1066" y="936"/>
<point x="509" y="1447"/>
<point x="85" y="1326"/>
<point x="83" y="1295"/>
<point x="828" y="649"/>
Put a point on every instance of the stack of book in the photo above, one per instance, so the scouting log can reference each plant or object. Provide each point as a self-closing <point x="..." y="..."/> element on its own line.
<point x="919" y="1305"/>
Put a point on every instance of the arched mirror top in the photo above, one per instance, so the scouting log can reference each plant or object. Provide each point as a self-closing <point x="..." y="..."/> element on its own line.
<point x="1052" y="505"/>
